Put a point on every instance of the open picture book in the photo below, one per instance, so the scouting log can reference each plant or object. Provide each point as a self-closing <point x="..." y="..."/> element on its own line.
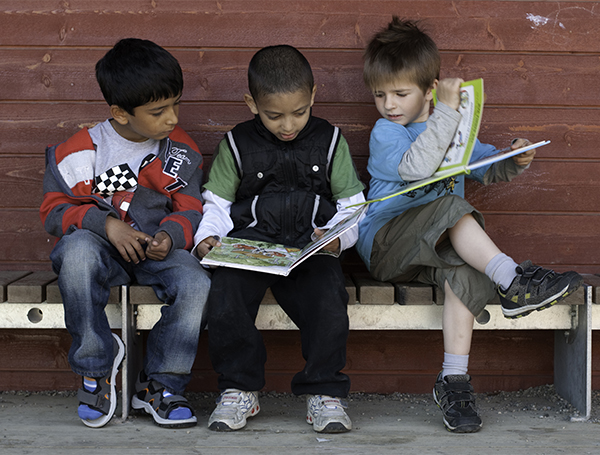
<point x="458" y="155"/>
<point x="271" y="257"/>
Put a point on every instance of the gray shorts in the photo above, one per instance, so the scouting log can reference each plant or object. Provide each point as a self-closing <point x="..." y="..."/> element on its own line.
<point x="405" y="250"/>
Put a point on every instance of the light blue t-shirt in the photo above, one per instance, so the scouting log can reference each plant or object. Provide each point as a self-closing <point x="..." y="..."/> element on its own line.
<point x="389" y="141"/>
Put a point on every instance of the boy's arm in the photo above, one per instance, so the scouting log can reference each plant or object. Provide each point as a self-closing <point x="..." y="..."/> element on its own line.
<point x="347" y="189"/>
<point x="219" y="194"/>
<point x="59" y="211"/>
<point x="182" y="222"/>
<point x="426" y="153"/>
<point x="504" y="170"/>
<point x="216" y="222"/>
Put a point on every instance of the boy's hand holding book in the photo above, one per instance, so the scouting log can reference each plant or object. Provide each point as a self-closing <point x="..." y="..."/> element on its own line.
<point x="448" y="92"/>
<point x="206" y="245"/>
<point x="523" y="159"/>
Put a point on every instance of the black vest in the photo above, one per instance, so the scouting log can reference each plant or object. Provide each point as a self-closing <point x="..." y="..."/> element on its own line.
<point x="284" y="191"/>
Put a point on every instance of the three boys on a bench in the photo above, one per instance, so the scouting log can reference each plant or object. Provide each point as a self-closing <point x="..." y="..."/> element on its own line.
<point x="124" y="198"/>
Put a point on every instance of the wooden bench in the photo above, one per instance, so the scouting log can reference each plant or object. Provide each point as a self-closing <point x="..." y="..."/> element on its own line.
<point x="32" y="300"/>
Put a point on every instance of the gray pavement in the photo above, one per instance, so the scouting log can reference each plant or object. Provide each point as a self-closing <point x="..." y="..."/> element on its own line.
<point x="535" y="421"/>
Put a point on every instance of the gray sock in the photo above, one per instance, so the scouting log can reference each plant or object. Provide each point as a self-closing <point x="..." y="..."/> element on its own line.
<point x="501" y="270"/>
<point x="455" y="364"/>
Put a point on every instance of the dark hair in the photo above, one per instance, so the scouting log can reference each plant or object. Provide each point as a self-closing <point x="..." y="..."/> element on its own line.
<point x="136" y="72"/>
<point x="402" y="49"/>
<point x="279" y="69"/>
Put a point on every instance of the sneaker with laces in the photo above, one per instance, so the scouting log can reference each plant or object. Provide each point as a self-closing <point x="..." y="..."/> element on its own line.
<point x="327" y="414"/>
<point x="454" y="396"/>
<point x="536" y="288"/>
<point x="233" y="408"/>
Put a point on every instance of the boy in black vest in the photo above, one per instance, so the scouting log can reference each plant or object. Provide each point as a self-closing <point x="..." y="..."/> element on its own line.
<point x="282" y="177"/>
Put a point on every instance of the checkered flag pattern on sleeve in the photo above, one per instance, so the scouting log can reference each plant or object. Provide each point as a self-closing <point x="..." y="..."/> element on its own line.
<point x="119" y="178"/>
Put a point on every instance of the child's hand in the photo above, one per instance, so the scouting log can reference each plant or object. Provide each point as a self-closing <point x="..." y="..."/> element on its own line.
<point x="448" y="92"/>
<point x="127" y="240"/>
<point x="522" y="159"/>
<point x="159" y="247"/>
<point x="333" y="246"/>
<point x="206" y="245"/>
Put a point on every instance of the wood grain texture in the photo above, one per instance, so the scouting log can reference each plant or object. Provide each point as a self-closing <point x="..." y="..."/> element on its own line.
<point x="221" y="75"/>
<point x="464" y="25"/>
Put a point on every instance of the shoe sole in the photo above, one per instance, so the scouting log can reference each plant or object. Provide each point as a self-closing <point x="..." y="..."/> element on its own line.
<point x="528" y="309"/>
<point x="136" y="403"/>
<point x="330" y="428"/>
<point x="333" y="428"/>
<point x="219" y="425"/>
<point x="462" y="428"/>
<point x="101" y="421"/>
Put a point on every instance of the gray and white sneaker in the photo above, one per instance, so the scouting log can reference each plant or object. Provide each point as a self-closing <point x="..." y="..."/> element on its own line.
<point x="233" y="408"/>
<point x="327" y="414"/>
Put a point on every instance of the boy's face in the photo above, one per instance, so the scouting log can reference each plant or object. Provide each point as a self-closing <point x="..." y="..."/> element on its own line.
<point x="154" y="120"/>
<point x="403" y="102"/>
<point x="284" y="114"/>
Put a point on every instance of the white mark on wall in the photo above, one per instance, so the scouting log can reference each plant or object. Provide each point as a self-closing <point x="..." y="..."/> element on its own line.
<point x="563" y="24"/>
<point x="537" y="20"/>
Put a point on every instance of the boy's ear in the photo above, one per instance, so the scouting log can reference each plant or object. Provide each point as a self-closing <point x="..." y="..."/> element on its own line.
<point x="312" y="96"/>
<point x="429" y="94"/>
<point x="119" y="114"/>
<point x="251" y="103"/>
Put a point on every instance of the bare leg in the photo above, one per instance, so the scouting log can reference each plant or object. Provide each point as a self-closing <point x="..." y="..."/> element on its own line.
<point x="472" y="243"/>
<point x="457" y="324"/>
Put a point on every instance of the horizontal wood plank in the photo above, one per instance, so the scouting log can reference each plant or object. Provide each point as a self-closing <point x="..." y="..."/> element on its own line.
<point x="573" y="132"/>
<point x="549" y="185"/>
<point x="221" y="75"/>
<point x="461" y="25"/>
<point x="31" y="288"/>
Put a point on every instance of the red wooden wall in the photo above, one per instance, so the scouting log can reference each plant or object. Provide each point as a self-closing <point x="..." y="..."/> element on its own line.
<point x="540" y="62"/>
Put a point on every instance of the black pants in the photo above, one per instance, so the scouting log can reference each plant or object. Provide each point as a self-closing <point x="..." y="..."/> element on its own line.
<point x="314" y="296"/>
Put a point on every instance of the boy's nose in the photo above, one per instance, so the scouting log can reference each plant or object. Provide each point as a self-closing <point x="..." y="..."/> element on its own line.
<point x="388" y="104"/>
<point x="173" y="118"/>
<point x="287" y="125"/>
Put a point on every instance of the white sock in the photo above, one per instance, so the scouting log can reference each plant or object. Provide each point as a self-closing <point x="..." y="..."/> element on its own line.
<point x="501" y="270"/>
<point x="455" y="364"/>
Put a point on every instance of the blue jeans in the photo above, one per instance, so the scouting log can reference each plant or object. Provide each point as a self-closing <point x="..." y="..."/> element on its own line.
<point x="88" y="265"/>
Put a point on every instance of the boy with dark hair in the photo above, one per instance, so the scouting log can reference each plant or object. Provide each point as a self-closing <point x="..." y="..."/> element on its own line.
<point x="124" y="200"/>
<point x="431" y="235"/>
<point x="283" y="177"/>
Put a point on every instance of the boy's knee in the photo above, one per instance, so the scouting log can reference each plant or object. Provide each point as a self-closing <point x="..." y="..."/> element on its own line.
<point x="77" y="253"/>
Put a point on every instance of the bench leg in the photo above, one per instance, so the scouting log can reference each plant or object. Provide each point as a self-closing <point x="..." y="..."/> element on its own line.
<point x="573" y="359"/>
<point x="133" y="348"/>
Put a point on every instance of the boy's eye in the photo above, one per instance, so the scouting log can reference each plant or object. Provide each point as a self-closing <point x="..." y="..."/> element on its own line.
<point x="300" y="114"/>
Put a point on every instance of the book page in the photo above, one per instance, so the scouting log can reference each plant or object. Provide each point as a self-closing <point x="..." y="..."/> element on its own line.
<point x="271" y="257"/>
<point x="252" y="255"/>
<point x="471" y="108"/>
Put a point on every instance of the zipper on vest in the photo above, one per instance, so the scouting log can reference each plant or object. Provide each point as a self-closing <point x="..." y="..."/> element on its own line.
<point x="290" y="177"/>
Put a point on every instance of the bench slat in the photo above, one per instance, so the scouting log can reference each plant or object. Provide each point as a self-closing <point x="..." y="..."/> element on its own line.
<point x="373" y="292"/>
<point x="31" y="288"/>
<point x="6" y="278"/>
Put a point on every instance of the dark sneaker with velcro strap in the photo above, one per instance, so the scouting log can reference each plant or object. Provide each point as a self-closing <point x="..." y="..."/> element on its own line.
<point x="536" y="288"/>
<point x="164" y="407"/>
<point x="454" y="396"/>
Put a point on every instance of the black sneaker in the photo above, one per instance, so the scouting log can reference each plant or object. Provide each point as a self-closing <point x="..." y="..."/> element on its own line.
<point x="535" y="288"/>
<point x="454" y="396"/>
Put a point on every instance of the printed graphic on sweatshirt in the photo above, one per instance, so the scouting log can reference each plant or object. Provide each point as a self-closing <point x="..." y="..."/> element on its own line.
<point x="118" y="178"/>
